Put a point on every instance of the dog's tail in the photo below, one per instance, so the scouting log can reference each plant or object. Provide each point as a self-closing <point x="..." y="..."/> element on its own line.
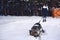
<point x="40" y="20"/>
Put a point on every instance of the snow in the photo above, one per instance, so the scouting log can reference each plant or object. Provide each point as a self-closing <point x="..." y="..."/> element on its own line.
<point x="17" y="28"/>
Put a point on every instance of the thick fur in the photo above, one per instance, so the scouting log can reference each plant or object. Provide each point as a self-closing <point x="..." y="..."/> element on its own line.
<point x="36" y="30"/>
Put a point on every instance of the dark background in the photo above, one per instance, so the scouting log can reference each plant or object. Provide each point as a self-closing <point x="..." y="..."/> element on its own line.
<point x="26" y="8"/>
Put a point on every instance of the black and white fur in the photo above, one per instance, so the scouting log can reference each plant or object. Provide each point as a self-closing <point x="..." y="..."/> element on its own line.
<point x="36" y="30"/>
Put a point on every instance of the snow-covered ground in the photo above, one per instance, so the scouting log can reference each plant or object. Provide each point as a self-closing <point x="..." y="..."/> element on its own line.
<point x="17" y="28"/>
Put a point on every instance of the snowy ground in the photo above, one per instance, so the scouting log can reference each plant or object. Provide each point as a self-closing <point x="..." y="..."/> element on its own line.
<point x="17" y="28"/>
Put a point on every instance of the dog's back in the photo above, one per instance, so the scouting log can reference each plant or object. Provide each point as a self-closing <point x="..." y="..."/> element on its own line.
<point x="36" y="26"/>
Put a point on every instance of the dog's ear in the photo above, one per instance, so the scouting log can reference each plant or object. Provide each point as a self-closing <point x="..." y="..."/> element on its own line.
<point x="30" y="32"/>
<point x="43" y="31"/>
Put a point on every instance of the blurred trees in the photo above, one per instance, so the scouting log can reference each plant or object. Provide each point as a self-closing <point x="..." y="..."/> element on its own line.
<point x="25" y="7"/>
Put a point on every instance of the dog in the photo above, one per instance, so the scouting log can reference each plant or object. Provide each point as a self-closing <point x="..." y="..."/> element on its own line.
<point x="36" y="30"/>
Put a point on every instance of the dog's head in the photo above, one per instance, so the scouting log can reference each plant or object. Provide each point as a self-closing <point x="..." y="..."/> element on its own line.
<point x="34" y="33"/>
